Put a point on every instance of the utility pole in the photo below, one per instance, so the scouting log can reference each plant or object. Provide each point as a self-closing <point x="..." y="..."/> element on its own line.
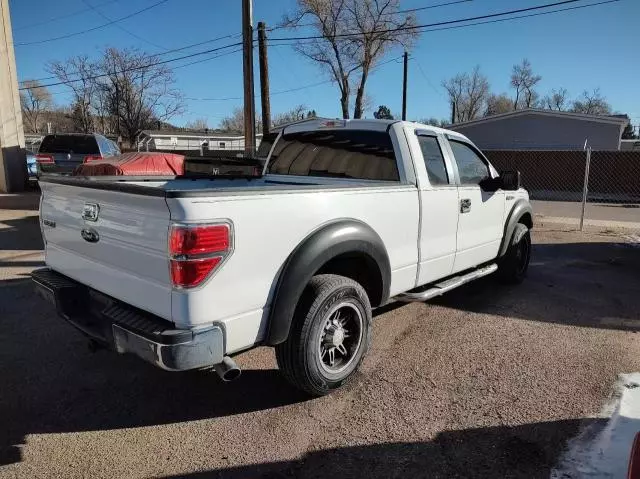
<point x="404" y="87"/>
<point x="247" y="72"/>
<point x="264" y="78"/>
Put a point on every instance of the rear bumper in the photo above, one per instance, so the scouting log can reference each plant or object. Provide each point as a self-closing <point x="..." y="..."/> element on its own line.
<point x="126" y="329"/>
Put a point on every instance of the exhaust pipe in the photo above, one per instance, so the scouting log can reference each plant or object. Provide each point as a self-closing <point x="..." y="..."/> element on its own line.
<point x="228" y="370"/>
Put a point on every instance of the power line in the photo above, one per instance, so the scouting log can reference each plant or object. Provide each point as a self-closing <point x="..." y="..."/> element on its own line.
<point x="517" y="17"/>
<point x="207" y="59"/>
<point x="436" y="24"/>
<point x="69" y="35"/>
<point x="294" y="40"/>
<point x="424" y="75"/>
<point x="134" y="35"/>
<point x="445" y="4"/>
<point x="409" y="10"/>
<point x="289" y="90"/>
<point x="175" y="68"/>
<point x="142" y="67"/>
<point x="60" y="17"/>
<point x="186" y="47"/>
<point x="578" y="7"/>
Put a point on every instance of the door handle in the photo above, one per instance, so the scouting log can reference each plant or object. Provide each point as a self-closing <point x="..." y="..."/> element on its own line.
<point x="465" y="205"/>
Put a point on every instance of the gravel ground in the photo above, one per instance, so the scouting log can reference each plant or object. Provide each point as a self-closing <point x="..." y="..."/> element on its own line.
<point x="487" y="381"/>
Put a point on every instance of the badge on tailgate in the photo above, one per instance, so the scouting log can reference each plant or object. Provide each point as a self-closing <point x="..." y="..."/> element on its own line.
<point x="91" y="211"/>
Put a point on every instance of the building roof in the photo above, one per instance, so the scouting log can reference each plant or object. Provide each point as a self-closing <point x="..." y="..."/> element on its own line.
<point x="218" y="134"/>
<point x="609" y="119"/>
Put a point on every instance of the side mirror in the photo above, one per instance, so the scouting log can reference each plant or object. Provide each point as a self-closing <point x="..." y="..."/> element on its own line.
<point x="510" y="180"/>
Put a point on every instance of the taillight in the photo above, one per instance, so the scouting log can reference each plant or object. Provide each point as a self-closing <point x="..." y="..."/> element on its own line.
<point x="44" y="159"/>
<point x="89" y="158"/>
<point x="196" y="251"/>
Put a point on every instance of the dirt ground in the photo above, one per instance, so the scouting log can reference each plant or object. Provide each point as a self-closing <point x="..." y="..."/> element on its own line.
<point x="487" y="381"/>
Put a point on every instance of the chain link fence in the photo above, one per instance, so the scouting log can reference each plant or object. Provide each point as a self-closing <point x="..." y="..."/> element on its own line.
<point x="579" y="188"/>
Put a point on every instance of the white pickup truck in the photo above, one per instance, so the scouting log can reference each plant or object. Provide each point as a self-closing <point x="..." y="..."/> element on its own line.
<point x="348" y="215"/>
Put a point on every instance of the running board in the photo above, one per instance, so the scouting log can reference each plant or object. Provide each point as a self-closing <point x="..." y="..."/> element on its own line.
<point x="440" y="288"/>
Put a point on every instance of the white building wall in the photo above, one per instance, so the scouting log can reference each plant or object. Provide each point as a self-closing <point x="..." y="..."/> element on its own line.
<point x="182" y="143"/>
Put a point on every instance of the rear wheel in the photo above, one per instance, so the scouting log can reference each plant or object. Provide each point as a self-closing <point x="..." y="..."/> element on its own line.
<point x="330" y="335"/>
<point x="512" y="267"/>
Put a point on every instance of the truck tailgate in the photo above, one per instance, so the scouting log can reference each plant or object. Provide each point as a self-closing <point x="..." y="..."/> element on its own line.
<point x="123" y="253"/>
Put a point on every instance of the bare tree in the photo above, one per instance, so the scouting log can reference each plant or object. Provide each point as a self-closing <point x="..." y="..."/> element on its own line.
<point x="366" y="104"/>
<point x="455" y="89"/>
<point x="126" y="88"/>
<point x="296" y="113"/>
<point x="591" y="104"/>
<point x="433" y="121"/>
<point x="524" y="82"/>
<point x="468" y="94"/>
<point x="557" y="100"/>
<point x="355" y="35"/>
<point x="235" y="121"/>
<point x="104" y="121"/>
<point x="78" y="73"/>
<point x="140" y="91"/>
<point x="198" y="124"/>
<point x="34" y="100"/>
<point x="381" y="27"/>
<point x="497" y="104"/>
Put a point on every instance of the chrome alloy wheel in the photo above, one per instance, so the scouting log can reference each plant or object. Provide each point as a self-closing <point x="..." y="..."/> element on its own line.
<point x="340" y="337"/>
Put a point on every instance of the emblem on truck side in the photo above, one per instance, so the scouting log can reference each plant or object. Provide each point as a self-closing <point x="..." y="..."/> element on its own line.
<point x="90" y="212"/>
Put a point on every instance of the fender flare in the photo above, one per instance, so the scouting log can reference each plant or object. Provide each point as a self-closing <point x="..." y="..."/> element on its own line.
<point x="520" y="208"/>
<point x="329" y="241"/>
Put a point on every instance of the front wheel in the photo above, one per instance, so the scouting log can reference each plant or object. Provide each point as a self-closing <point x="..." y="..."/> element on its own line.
<point x="330" y="335"/>
<point x="512" y="267"/>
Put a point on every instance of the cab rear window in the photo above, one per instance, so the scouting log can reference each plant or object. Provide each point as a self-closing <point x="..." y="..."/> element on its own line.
<point x="359" y="154"/>
<point x="78" y="144"/>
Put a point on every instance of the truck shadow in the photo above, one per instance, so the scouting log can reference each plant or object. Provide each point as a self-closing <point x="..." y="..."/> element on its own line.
<point x="526" y="451"/>
<point x="51" y="382"/>
<point x="27" y="200"/>
<point x="20" y="234"/>
<point x="594" y="285"/>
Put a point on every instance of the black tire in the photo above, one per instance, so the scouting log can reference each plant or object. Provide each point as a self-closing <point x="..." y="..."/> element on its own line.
<point x="301" y="358"/>
<point x="512" y="267"/>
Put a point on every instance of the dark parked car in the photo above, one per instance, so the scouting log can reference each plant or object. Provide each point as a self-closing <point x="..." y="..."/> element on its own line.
<point x="61" y="153"/>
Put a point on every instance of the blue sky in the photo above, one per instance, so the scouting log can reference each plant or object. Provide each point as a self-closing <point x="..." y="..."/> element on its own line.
<point x="578" y="50"/>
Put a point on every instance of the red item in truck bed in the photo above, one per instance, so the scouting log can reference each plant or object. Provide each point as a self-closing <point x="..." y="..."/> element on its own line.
<point x="134" y="164"/>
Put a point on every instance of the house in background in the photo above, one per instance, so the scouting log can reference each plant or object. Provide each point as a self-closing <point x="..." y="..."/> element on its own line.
<point x="533" y="129"/>
<point x="167" y="140"/>
<point x="630" y="145"/>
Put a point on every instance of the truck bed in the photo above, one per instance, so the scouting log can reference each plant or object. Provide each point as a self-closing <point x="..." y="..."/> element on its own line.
<point x="180" y="187"/>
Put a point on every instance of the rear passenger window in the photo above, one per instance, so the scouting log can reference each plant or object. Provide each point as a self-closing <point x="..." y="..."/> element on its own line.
<point x="366" y="155"/>
<point x="433" y="160"/>
<point x="74" y="144"/>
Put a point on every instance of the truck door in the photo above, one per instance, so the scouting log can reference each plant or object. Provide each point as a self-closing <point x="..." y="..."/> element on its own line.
<point x="438" y="208"/>
<point x="481" y="213"/>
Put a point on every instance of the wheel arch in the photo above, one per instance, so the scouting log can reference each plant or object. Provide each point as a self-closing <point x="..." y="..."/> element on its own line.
<point x="347" y="247"/>
<point x="521" y="212"/>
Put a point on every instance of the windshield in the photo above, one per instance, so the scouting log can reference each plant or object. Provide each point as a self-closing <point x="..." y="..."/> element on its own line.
<point x="79" y="144"/>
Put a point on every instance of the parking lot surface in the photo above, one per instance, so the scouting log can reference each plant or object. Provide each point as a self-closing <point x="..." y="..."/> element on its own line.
<point x="487" y="381"/>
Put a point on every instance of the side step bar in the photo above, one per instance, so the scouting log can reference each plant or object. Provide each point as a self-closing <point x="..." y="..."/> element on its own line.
<point x="431" y="291"/>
